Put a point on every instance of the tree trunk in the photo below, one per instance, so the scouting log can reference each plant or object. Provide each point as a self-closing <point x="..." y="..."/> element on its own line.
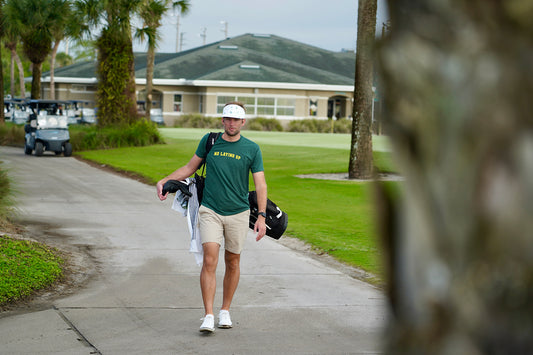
<point x="149" y="79"/>
<point x="12" y="76"/>
<point x="116" y="85"/>
<point x="360" y="166"/>
<point x="2" y="115"/>
<point x="21" y="73"/>
<point x="52" y="70"/>
<point x="458" y="80"/>
<point x="36" y="81"/>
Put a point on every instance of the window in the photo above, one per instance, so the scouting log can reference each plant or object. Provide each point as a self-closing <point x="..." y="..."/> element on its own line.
<point x="265" y="110"/>
<point x="82" y="88"/>
<point x="285" y="111"/>
<point x="249" y="104"/>
<point x="266" y="106"/>
<point x="313" y="107"/>
<point x="249" y="66"/>
<point x="248" y="101"/>
<point x="223" y="100"/>
<point x="285" y="107"/>
<point x="228" y="47"/>
<point x="178" y="103"/>
<point x="201" y="104"/>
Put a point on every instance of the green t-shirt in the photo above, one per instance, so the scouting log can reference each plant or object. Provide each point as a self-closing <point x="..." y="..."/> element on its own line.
<point x="228" y="167"/>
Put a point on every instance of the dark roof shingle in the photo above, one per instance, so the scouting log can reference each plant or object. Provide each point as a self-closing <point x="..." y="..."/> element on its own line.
<point x="274" y="59"/>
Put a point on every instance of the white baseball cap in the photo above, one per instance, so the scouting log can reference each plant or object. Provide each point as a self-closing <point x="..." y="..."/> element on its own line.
<point x="233" y="111"/>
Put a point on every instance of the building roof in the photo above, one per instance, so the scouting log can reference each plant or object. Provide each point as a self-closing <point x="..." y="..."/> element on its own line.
<point x="249" y="58"/>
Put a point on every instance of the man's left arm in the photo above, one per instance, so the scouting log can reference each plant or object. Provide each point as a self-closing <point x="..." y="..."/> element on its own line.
<point x="261" y="191"/>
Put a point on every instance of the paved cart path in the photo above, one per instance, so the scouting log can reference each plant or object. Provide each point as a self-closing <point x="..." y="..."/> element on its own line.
<point x="141" y="294"/>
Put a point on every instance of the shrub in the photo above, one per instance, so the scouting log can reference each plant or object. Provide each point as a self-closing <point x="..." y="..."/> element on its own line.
<point x="140" y="133"/>
<point x="268" y="124"/>
<point x="197" y="120"/>
<point x="342" y="126"/>
<point x="11" y="134"/>
<point x="310" y="126"/>
<point x="263" y="124"/>
<point x="320" y="126"/>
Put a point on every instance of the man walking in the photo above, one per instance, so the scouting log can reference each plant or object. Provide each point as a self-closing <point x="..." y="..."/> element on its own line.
<point x="225" y="211"/>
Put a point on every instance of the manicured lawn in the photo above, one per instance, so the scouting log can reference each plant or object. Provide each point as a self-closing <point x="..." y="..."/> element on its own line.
<point x="24" y="267"/>
<point x="334" y="216"/>
<point x="316" y="140"/>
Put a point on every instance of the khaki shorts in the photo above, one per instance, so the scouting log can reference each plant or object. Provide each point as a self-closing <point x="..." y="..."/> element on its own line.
<point x="230" y="229"/>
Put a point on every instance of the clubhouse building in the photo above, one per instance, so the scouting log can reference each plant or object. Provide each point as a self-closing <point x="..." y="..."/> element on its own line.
<point x="273" y="76"/>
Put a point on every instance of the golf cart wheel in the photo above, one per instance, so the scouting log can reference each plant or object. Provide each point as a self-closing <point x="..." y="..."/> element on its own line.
<point x="68" y="149"/>
<point x="39" y="149"/>
<point x="27" y="150"/>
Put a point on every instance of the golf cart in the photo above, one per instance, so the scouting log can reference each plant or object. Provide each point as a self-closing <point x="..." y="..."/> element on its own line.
<point x="8" y="109"/>
<point x="81" y="110"/>
<point x="15" y="110"/>
<point x="156" y="114"/>
<point x="47" y="129"/>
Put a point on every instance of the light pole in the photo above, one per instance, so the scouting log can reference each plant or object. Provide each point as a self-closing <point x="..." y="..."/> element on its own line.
<point x="225" y="29"/>
<point x="178" y="44"/>
<point x="181" y="40"/>
<point x="204" y="34"/>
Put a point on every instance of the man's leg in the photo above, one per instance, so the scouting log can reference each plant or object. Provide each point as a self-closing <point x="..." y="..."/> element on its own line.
<point x="208" y="281"/>
<point x="231" y="277"/>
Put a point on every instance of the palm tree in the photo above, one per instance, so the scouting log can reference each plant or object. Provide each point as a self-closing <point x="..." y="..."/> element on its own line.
<point x="151" y="13"/>
<point x="360" y="166"/>
<point x="116" y="75"/>
<point x="59" y="31"/>
<point x="34" y="20"/>
<point x="11" y="38"/>
<point x="63" y="59"/>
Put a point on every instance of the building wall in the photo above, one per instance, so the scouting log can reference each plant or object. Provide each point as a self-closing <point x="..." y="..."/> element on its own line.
<point x="67" y="91"/>
<point x="192" y="96"/>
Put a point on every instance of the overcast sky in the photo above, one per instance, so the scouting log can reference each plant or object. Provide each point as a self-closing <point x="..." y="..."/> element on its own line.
<point x="329" y="25"/>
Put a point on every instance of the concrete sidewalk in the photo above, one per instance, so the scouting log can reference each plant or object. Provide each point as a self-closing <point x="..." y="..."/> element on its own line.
<point x="143" y="294"/>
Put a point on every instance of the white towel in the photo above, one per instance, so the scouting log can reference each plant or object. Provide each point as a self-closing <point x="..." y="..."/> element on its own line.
<point x="192" y="218"/>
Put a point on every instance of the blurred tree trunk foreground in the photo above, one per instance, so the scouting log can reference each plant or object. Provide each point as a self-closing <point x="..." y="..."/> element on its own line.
<point x="458" y="79"/>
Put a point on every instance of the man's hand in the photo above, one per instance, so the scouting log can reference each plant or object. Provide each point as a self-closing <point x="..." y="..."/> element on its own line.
<point x="180" y="174"/>
<point x="261" y="190"/>
<point x="159" y="188"/>
<point x="260" y="228"/>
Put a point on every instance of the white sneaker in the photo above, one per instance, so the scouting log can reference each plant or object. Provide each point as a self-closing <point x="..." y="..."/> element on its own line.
<point x="209" y="324"/>
<point x="224" y="320"/>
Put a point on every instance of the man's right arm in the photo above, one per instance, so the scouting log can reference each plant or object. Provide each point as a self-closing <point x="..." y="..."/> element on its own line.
<point x="180" y="174"/>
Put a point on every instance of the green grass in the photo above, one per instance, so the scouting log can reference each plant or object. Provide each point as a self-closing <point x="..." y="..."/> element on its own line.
<point x="336" y="217"/>
<point x="24" y="267"/>
<point x="316" y="140"/>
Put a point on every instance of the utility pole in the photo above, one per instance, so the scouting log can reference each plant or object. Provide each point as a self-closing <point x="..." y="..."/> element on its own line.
<point x="225" y="29"/>
<point x="204" y="34"/>
<point x="178" y="44"/>
<point x="181" y="40"/>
